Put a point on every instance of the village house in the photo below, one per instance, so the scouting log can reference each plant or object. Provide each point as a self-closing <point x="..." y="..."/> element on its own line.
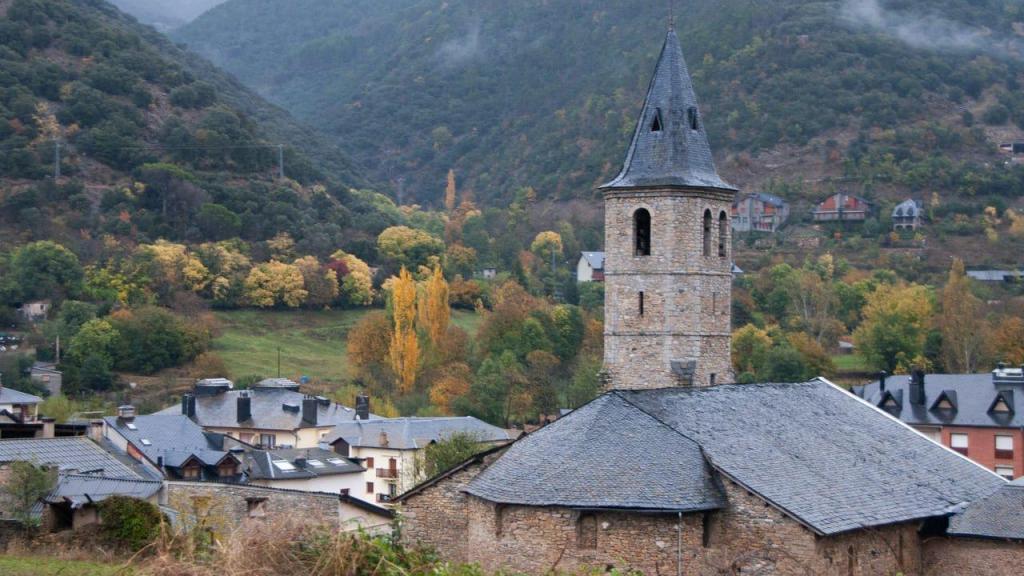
<point x="47" y="376"/>
<point x="674" y="469"/>
<point x="907" y="215"/>
<point x="19" y="406"/>
<point x="306" y="469"/>
<point x="35" y="311"/>
<point x="982" y="537"/>
<point x="996" y="276"/>
<point x="74" y="501"/>
<point x="390" y="448"/>
<point x="759" y="212"/>
<point x="973" y="414"/>
<point x="842" y="207"/>
<point x="590" y="267"/>
<point x="175" y="447"/>
<point x="272" y="414"/>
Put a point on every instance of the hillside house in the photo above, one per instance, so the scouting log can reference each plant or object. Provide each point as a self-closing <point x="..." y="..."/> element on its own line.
<point x="842" y="207"/>
<point x="590" y="267"/>
<point x="35" y="311"/>
<point x="996" y="276"/>
<point x="389" y="448"/>
<point x="272" y="414"/>
<point x="674" y="469"/>
<point x="19" y="415"/>
<point x="47" y="375"/>
<point x="973" y="414"/>
<point x="907" y="215"/>
<point x="759" y="212"/>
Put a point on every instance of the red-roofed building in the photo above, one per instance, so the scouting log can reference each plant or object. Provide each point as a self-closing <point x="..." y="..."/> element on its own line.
<point x="841" y="207"/>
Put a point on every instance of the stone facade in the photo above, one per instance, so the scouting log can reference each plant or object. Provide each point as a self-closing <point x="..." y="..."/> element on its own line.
<point x="747" y="537"/>
<point x="220" y="507"/>
<point x="973" y="556"/>
<point x="686" y="289"/>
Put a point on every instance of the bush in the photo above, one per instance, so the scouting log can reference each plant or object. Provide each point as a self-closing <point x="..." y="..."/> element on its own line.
<point x="133" y="522"/>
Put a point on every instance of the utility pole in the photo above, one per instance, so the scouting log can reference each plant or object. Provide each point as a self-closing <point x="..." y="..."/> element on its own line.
<point x="56" y="159"/>
<point x="280" y="161"/>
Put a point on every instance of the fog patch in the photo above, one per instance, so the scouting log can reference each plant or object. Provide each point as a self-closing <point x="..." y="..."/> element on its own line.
<point x="462" y="49"/>
<point x="929" y="31"/>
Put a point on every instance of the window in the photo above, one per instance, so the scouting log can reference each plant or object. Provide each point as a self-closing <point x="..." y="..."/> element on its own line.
<point x="641" y="303"/>
<point x="707" y="232"/>
<point x="958" y="442"/>
<point x="656" y="123"/>
<point x="256" y="507"/>
<point x="315" y="463"/>
<point x="284" y="465"/>
<point x="723" y="234"/>
<point x="369" y="487"/>
<point x="1000" y="406"/>
<point x="1005" y="472"/>
<point x="227" y="469"/>
<point x="369" y="462"/>
<point x="586" y="531"/>
<point x="711" y="380"/>
<point x="642" y="232"/>
<point x="691" y="118"/>
<point x="1004" y="446"/>
<point x="190" y="472"/>
<point x="268" y="440"/>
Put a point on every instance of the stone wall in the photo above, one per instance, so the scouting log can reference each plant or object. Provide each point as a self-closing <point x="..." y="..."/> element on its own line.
<point x="977" y="557"/>
<point x="223" y="506"/>
<point x="686" y="295"/>
<point x="748" y="537"/>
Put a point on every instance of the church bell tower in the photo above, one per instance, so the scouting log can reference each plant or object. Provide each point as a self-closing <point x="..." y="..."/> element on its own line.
<point x="668" y="268"/>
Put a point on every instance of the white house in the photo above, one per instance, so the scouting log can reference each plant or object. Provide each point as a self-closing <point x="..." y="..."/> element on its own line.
<point x="305" y="469"/>
<point x="907" y="215"/>
<point x="389" y="448"/>
<point x="590" y="268"/>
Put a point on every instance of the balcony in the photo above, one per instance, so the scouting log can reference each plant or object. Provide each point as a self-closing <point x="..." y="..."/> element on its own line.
<point x="387" y="473"/>
<point x="383" y="498"/>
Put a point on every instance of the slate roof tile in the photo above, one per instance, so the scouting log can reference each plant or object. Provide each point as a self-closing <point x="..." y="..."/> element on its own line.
<point x="76" y="453"/>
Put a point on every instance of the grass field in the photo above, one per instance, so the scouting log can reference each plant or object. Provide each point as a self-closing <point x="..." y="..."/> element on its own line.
<point x="312" y="343"/>
<point x="42" y="566"/>
<point x="850" y="363"/>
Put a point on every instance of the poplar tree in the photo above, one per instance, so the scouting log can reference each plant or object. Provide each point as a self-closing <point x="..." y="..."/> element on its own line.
<point x="434" y="312"/>
<point x="962" y="323"/>
<point x="404" y="352"/>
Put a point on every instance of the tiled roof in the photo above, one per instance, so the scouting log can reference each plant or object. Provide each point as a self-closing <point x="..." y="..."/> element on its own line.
<point x="594" y="259"/>
<point x="70" y="454"/>
<point x="171" y="436"/>
<point x="998" y="515"/>
<point x="412" y="433"/>
<point x="11" y="396"/>
<point x="607" y="454"/>
<point x="267" y="409"/>
<point x="674" y="154"/>
<point x="318" y="462"/>
<point x="973" y="394"/>
<point x="819" y="454"/>
<point x="79" y="489"/>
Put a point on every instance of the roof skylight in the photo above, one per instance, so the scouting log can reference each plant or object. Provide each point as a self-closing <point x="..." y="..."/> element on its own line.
<point x="131" y="426"/>
<point x="284" y="465"/>
<point x="336" y="461"/>
<point x="146" y="442"/>
<point x="315" y="463"/>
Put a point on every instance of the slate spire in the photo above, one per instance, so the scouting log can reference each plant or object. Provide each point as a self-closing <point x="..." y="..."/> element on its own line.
<point x="670" y="145"/>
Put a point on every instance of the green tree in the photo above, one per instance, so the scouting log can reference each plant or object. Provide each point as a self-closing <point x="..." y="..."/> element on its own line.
<point x="895" y="325"/>
<point x="448" y="453"/>
<point x="45" y="269"/>
<point x="26" y="483"/>
<point x="403" y="246"/>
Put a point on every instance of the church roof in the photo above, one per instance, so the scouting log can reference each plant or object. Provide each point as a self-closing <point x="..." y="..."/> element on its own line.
<point x="670" y="145"/>
<point x="607" y="455"/>
<point x="819" y="454"/>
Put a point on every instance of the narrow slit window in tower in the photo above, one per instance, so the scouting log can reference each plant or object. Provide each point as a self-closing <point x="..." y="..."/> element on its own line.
<point x="641" y="303"/>
<point x="691" y="117"/>
<point x="707" y="232"/>
<point x="723" y="234"/>
<point x="656" y="123"/>
<point x="642" y="232"/>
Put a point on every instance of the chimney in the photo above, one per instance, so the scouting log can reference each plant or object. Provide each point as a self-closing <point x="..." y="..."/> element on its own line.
<point x="881" y="380"/>
<point x="49" y="427"/>
<point x="917" y="387"/>
<point x="300" y="462"/>
<point x="188" y="405"/>
<point x="344" y="493"/>
<point x="96" y="430"/>
<point x="362" y="407"/>
<point x="126" y="413"/>
<point x="244" y="403"/>
<point x="383" y="439"/>
<point x="309" y="408"/>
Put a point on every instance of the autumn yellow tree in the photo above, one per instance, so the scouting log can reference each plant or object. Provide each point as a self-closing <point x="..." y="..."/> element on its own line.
<point x="275" y="283"/>
<point x="453" y="383"/>
<point x="964" y="330"/>
<point x="433" y="308"/>
<point x="176" y="266"/>
<point x="356" y="288"/>
<point x="895" y="325"/>
<point x="1008" y="340"/>
<point x="404" y="352"/>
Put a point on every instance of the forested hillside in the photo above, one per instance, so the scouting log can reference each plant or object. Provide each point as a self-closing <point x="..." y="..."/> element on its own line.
<point x="887" y="96"/>
<point x="153" y="142"/>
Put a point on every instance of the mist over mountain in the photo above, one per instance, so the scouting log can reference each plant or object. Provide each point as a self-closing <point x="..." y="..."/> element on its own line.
<point x="543" y="93"/>
<point x="165" y="14"/>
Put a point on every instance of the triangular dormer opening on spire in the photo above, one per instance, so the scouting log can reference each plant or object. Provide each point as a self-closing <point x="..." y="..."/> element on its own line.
<point x="691" y="118"/>
<point x="656" y="123"/>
